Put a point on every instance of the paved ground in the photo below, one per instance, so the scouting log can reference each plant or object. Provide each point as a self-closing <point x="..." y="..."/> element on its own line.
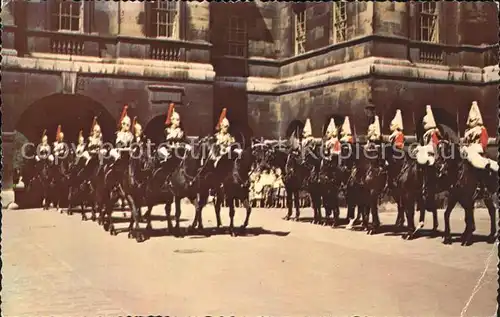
<point x="57" y="265"/>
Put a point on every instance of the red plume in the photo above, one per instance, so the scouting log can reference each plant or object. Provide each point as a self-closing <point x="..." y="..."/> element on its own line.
<point x="58" y="133"/>
<point x="169" y="113"/>
<point x="133" y="124"/>
<point x="124" y="113"/>
<point x="222" y="116"/>
<point x="80" y="134"/>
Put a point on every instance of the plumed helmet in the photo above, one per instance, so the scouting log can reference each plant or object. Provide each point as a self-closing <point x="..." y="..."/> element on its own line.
<point x="346" y="127"/>
<point x="428" y="121"/>
<point x="223" y="121"/>
<point x="307" y="128"/>
<point x="124" y="118"/>
<point x="397" y="121"/>
<point x="332" y="128"/>
<point x="475" y="118"/>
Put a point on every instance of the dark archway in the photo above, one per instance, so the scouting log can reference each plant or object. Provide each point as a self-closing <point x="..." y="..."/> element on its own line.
<point x="155" y="129"/>
<point x="73" y="112"/>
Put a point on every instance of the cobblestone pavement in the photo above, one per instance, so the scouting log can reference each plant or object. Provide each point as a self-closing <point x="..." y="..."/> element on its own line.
<point x="57" y="265"/>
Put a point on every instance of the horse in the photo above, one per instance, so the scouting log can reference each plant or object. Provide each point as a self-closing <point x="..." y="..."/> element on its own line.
<point x="463" y="180"/>
<point x="60" y="176"/>
<point x="331" y="177"/>
<point x="169" y="182"/>
<point x="404" y="184"/>
<point x="119" y="183"/>
<point x="229" y="179"/>
<point x="367" y="182"/>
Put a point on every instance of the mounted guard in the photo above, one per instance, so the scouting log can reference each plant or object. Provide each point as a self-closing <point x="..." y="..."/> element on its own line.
<point x="332" y="142"/>
<point x="425" y="153"/>
<point x="397" y="137"/>
<point x="374" y="134"/>
<point x="223" y="139"/>
<point x="307" y="137"/>
<point x="476" y="141"/>
<point x="60" y="148"/>
<point x="94" y="145"/>
<point x="43" y="149"/>
<point x="346" y="133"/>
<point x="124" y="137"/>
<point x="174" y="134"/>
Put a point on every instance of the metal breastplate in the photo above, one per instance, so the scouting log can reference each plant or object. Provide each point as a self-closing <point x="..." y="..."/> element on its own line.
<point x="123" y="139"/>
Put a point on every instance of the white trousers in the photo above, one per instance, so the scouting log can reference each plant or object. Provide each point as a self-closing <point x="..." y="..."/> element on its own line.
<point x="473" y="154"/>
<point x="425" y="154"/>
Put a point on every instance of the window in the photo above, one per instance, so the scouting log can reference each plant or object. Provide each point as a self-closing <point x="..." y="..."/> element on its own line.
<point x="339" y="15"/>
<point x="300" y="32"/>
<point x="165" y="19"/>
<point x="237" y="37"/>
<point x="429" y="22"/>
<point x="68" y="16"/>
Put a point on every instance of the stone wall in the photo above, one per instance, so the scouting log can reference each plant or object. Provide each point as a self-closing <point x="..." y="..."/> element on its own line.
<point x="271" y="120"/>
<point x="412" y="97"/>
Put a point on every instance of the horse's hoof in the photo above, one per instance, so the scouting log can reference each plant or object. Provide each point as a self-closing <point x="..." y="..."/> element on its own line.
<point x="112" y="230"/>
<point x="139" y="237"/>
<point x="106" y="226"/>
<point x="69" y="212"/>
<point x="447" y="240"/>
<point x="491" y="239"/>
<point x="131" y="235"/>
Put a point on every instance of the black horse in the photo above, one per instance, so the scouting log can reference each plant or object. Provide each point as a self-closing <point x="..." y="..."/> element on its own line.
<point x="229" y="179"/>
<point x="119" y="184"/>
<point x="463" y="180"/>
<point x="366" y="184"/>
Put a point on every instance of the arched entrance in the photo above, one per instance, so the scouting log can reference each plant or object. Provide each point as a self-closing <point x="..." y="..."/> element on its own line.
<point x="73" y="112"/>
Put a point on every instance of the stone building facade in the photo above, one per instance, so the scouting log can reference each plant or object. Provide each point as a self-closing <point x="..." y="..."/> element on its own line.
<point x="267" y="62"/>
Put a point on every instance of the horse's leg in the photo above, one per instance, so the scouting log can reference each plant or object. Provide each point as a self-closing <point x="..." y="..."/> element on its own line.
<point x="374" y="210"/>
<point x="248" y="208"/>
<point x="470" y="225"/>
<point x="452" y="201"/>
<point x="289" y="197"/>
<point x="488" y="201"/>
<point x="230" y="202"/>
<point x="201" y="201"/>
<point x="178" y="211"/>
<point x="139" y="236"/>
<point x="400" y="219"/>
<point x="421" y="205"/>
<point x="408" y="206"/>
<point x="435" y="221"/>
<point x="296" y="200"/>
<point x="351" y="206"/>
<point x="219" y="199"/>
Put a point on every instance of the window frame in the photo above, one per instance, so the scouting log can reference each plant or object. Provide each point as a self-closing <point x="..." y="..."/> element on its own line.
<point x="57" y="16"/>
<point x="339" y="23"/>
<point x="300" y="36"/>
<point x="154" y="23"/>
<point x="432" y="19"/>
<point x="237" y="26"/>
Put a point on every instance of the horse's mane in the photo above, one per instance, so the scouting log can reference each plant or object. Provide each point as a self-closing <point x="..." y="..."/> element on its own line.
<point x="295" y="126"/>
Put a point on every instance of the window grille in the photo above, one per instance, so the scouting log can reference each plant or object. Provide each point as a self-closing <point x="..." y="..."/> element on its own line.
<point x="237" y="37"/>
<point x="429" y="22"/>
<point x="300" y="32"/>
<point x="165" y="19"/>
<point x="339" y="15"/>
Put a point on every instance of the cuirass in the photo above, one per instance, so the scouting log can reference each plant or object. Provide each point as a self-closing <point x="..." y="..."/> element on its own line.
<point x="123" y="139"/>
